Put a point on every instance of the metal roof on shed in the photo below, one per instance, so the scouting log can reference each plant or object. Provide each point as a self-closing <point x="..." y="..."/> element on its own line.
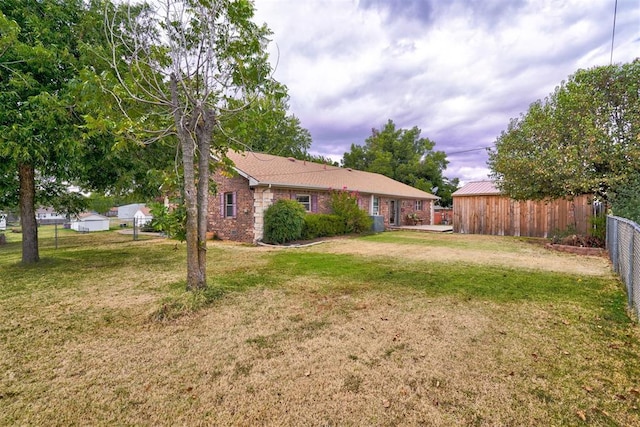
<point x="478" y="188"/>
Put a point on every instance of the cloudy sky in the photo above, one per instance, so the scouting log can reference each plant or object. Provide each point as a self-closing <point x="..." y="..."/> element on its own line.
<point x="457" y="69"/>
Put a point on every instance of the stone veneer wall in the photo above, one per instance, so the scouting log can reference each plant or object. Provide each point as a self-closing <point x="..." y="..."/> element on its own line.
<point x="263" y="198"/>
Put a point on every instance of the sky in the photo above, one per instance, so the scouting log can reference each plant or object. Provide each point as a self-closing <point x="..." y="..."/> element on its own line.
<point x="457" y="69"/>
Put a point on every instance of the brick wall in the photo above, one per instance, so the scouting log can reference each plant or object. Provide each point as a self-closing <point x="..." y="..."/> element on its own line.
<point x="247" y="225"/>
<point x="241" y="227"/>
<point x="408" y="207"/>
<point x="323" y="197"/>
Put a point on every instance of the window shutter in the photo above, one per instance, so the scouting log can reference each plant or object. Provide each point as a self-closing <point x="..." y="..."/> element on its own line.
<point x="314" y="203"/>
<point x="222" y="205"/>
<point x="235" y="208"/>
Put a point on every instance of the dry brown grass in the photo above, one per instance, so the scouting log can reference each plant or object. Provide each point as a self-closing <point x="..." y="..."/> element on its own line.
<point x="474" y="249"/>
<point x="297" y="354"/>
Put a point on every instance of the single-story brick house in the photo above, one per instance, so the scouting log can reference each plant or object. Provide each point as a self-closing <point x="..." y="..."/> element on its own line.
<point x="237" y="211"/>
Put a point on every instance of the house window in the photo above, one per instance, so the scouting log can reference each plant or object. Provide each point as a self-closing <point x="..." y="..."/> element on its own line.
<point x="418" y="205"/>
<point x="375" y="205"/>
<point x="304" y="200"/>
<point x="228" y="205"/>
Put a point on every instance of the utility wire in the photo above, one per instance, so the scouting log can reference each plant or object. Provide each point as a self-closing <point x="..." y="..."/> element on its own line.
<point x="613" y="34"/>
<point x="467" y="151"/>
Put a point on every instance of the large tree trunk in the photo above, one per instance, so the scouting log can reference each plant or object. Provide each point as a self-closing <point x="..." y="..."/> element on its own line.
<point x="28" y="222"/>
<point x="204" y="133"/>
<point x="196" y="277"/>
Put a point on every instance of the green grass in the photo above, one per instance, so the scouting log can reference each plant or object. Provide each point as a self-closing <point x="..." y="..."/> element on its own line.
<point x="489" y="283"/>
<point x="77" y="259"/>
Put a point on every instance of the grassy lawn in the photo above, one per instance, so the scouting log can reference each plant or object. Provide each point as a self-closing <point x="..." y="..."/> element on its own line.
<point x="399" y="328"/>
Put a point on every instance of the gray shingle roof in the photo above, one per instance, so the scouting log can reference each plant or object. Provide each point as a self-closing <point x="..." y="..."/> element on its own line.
<point x="267" y="169"/>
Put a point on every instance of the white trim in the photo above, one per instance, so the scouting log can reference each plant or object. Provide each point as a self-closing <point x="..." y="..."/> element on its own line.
<point x="303" y="204"/>
<point x="372" y="204"/>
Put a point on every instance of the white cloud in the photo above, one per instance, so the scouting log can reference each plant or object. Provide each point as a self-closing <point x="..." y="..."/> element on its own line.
<point x="458" y="70"/>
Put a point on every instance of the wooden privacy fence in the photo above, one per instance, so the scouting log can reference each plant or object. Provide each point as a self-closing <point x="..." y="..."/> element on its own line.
<point x="500" y="215"/>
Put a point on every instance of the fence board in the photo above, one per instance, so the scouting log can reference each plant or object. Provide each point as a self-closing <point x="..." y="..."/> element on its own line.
<point x="499" y="215"/>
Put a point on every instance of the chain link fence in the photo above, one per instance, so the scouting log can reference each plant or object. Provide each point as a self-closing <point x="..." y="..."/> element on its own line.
<point x="623" y="245"/>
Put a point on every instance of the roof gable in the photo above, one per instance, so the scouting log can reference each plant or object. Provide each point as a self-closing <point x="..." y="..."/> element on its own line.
<point x="267" y="169"/>
<point x="144" y="210"/>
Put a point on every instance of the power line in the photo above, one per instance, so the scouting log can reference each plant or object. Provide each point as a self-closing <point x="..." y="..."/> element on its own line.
<point x="467" y="151"/>
<point x="613" y="34"/>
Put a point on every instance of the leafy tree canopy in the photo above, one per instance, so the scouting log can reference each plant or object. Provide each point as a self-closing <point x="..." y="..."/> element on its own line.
<point x="625" y="200"/>
<point x="43" y="47"/>
<point x="403" y="155"/>
<point x="583" y="138"/>
<point x="38" y="63"/>
<point x="263" y="124"/>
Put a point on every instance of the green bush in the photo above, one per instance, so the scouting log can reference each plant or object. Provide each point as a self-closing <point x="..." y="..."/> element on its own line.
<point x="171" y="222"/>
<point x="598" y="228"/>
<point x="345" y="205"/>
<point x="322" y="225"/>
<point x="283" y="221"/>
<point x="625" y="199"/>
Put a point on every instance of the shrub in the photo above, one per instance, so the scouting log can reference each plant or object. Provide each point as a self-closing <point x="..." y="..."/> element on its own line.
<point x="283" y="221"/>
<point x="345" y="205"/>
<point x="322" y="225"/>
<point x="171" y="222"/>
<point x="625" y="199"/>
<point x="598" y="227"/>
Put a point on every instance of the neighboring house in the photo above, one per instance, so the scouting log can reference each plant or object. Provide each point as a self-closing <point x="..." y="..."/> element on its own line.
<point x="143" y="216"/>
<point x="46" y="216"/>
<point x="480" y="208"/>
<point x="90" y="221"/>
<point x="237" y="212"/>
<point x="127" y="212"/>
